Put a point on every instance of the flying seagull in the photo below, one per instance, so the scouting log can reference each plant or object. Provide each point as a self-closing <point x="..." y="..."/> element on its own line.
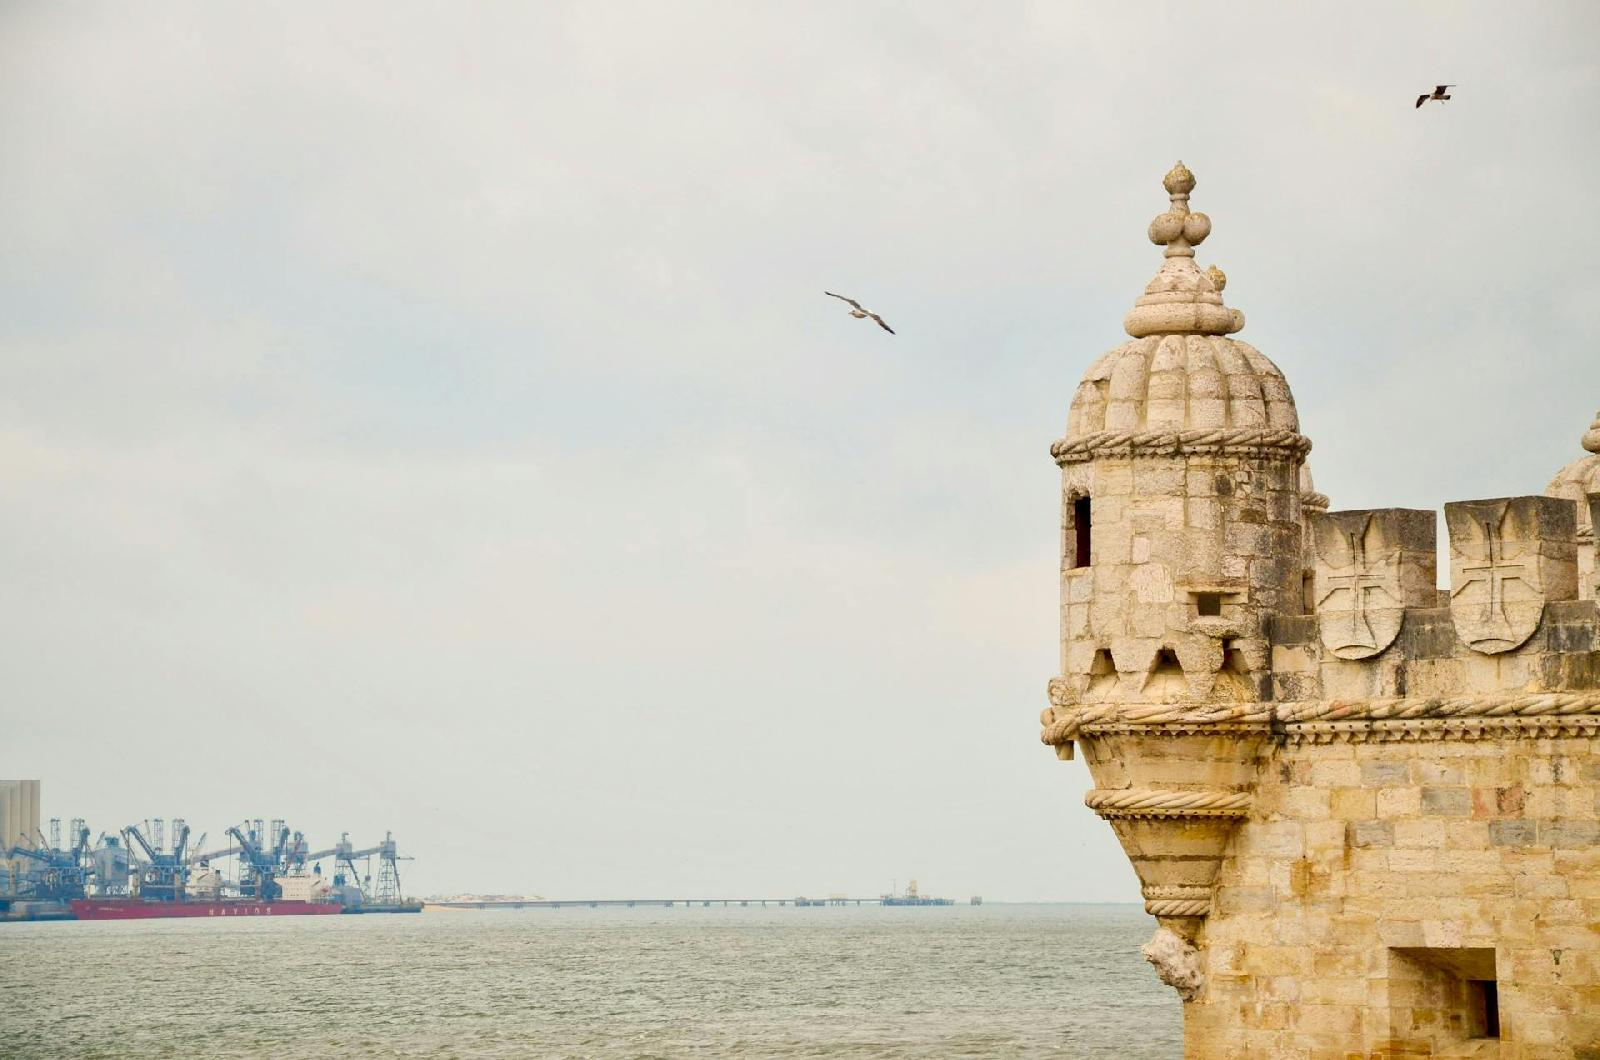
<point x="1439" y="94"/>
<point x="860" y="313"/>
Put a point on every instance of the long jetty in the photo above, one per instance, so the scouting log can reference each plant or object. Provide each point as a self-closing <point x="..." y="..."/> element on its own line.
<point x="666" y="903"/>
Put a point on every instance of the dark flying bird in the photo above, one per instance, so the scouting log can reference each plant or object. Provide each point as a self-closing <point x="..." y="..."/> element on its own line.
<point x="1439" y="94"/>
<point x="860" y="313"/>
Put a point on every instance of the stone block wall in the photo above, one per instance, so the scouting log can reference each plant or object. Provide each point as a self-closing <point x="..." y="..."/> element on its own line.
<point x="1376" y="882"/>
<point x="1393" y="854"/>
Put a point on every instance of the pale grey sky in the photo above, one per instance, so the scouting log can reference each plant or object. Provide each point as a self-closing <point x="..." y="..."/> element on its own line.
<point x="428" y="418"/>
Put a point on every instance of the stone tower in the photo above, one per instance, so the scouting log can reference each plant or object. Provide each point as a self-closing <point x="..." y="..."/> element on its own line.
<point x="1182" y="542"/>
<point x="1364" y="812"/>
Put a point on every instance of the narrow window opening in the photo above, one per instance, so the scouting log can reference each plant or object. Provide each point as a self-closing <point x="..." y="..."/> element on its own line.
<point x="1208" y="605"/>
<point x="1080" y="528"/>
<point x="1486" y="994"/>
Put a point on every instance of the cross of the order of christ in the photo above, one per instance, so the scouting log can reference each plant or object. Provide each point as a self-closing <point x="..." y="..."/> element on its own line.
<point x="1495" y="572"/>
<point x="1360" y="581"/>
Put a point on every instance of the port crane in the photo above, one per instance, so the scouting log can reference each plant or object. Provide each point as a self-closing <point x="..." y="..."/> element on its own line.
<point x="60" y="874"/>
<point x="163" y="874"/>
<point x="286" y="851"/>
<point x="344" y="856"/>
<point x="288" y="856"/>
<point x="256" y="874"/>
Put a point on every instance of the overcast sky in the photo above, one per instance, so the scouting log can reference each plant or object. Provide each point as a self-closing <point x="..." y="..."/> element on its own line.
<point x="428" y="418"/>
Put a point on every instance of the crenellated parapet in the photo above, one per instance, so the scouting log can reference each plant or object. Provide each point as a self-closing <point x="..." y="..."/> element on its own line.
<point x="1511" y="621"/>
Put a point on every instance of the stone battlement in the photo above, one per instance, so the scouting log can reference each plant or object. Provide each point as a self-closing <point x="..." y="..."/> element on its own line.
<point x="1515" y="617"/>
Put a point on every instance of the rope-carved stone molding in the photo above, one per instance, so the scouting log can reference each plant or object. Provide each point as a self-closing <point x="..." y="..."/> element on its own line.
<point x="1177" y="900"/>
<point x="1246" y="441"/>
<point x="1313" y="499"/>
<point x="1156" y="802"/>
<point x="1063" y="721"/>
<point x="1178" y="907"/>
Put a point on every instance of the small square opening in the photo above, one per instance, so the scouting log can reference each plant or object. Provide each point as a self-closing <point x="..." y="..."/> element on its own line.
<point x="1208" y="605"/>
<point x="1459" y="984"/>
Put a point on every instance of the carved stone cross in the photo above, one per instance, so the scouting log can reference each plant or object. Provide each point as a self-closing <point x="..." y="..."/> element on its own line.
<point x="1496" y="571"/>
<point x="1360" y="581"/>
<point x="1371" y="566"/>
<point x="1507" y="558"/>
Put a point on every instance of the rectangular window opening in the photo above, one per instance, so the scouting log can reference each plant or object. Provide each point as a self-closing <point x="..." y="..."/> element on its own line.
<point x="1080" y="527"/>
<point x="1486" y="993"/>
<point x="1208" y="605"/>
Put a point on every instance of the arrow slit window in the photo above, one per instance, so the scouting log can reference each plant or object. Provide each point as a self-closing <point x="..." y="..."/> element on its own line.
<point x="1080" y="531"/>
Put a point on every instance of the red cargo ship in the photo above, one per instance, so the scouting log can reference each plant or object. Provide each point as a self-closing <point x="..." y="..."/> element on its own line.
<point x="137" y="909"/>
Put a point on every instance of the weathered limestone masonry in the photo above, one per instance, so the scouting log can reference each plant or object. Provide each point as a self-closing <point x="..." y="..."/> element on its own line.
<point x="1365" y="812"/>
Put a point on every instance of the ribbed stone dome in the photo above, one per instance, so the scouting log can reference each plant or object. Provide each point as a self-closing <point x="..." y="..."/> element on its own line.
<point x="1182" y="373"/>
<point x="1181" y="382"/>
<point x="1580" y="478"/>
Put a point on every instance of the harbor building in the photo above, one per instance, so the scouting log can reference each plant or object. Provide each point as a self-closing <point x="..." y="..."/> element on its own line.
<point x="1364" y="810"/>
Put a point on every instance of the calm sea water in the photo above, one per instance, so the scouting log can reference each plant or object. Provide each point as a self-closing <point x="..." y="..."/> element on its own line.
<point x="1064" y="981"/>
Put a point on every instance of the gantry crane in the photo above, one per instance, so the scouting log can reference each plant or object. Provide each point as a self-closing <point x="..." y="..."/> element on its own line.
<point x="344" y="856"/>
<point x="288" y="856"/>
<point x="259" y="865"/>
<point x="59" y="874"/>
<point x="163" y="875"/>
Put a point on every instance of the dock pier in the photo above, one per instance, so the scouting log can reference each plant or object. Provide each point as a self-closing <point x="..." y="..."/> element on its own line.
<point x="661" y="903"/>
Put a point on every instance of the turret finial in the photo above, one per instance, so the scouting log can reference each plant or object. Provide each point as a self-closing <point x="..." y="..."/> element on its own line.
<point x="1179" y="230"/>
<point x="1182" y="299"/>
<point x="1591" y="437"/>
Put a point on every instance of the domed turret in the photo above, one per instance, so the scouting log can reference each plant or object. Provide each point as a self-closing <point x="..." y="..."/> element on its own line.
<point x="1576" y="482"/>
<point x="1182" y="485"/>
<point x="1182" y="488"/>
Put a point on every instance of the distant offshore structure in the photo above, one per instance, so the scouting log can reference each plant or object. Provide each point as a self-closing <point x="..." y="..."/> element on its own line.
<point x="1364" y="811"/>
<point x="911" y="896"/>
